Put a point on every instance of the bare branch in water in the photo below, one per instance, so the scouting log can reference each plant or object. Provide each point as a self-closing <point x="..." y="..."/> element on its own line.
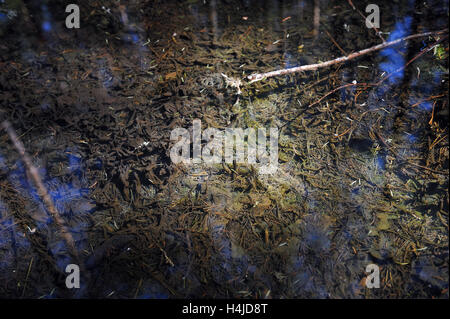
<point x="310" y="67"/>
<point x="43" y="193"/>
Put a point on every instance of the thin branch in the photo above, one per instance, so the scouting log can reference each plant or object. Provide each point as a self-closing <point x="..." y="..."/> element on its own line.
<point x="310" y="67"/>
<point x="42" y="191"/>
<point x="335" y="43"/>
<point x="429" y="48"/>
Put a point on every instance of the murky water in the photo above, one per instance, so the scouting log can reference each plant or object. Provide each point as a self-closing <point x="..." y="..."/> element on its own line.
<point x="361" y="176"/>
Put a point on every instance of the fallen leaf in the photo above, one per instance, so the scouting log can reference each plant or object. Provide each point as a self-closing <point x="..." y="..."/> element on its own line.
<point x="170" y="76"/>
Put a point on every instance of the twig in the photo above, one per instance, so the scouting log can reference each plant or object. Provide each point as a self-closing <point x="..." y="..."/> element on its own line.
<point x="335" y="43"/>
<point x="375" y="84"/>
<point x="427" y="99"/>
<point x="437" y="141"/>
<point x="310" y="67"/>
<point x="168" y="260"/>
<point x="432" y="115"/>
<point x="42" y="191"/>
<point x="28" y="274"/>
<point x="427" y="168"/>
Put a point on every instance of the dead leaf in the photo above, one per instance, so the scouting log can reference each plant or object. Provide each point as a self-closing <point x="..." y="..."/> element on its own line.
<point x="170" y="76"/>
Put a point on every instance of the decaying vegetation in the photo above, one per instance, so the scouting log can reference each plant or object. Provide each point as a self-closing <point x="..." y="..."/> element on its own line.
<point x="363" y="163"/>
